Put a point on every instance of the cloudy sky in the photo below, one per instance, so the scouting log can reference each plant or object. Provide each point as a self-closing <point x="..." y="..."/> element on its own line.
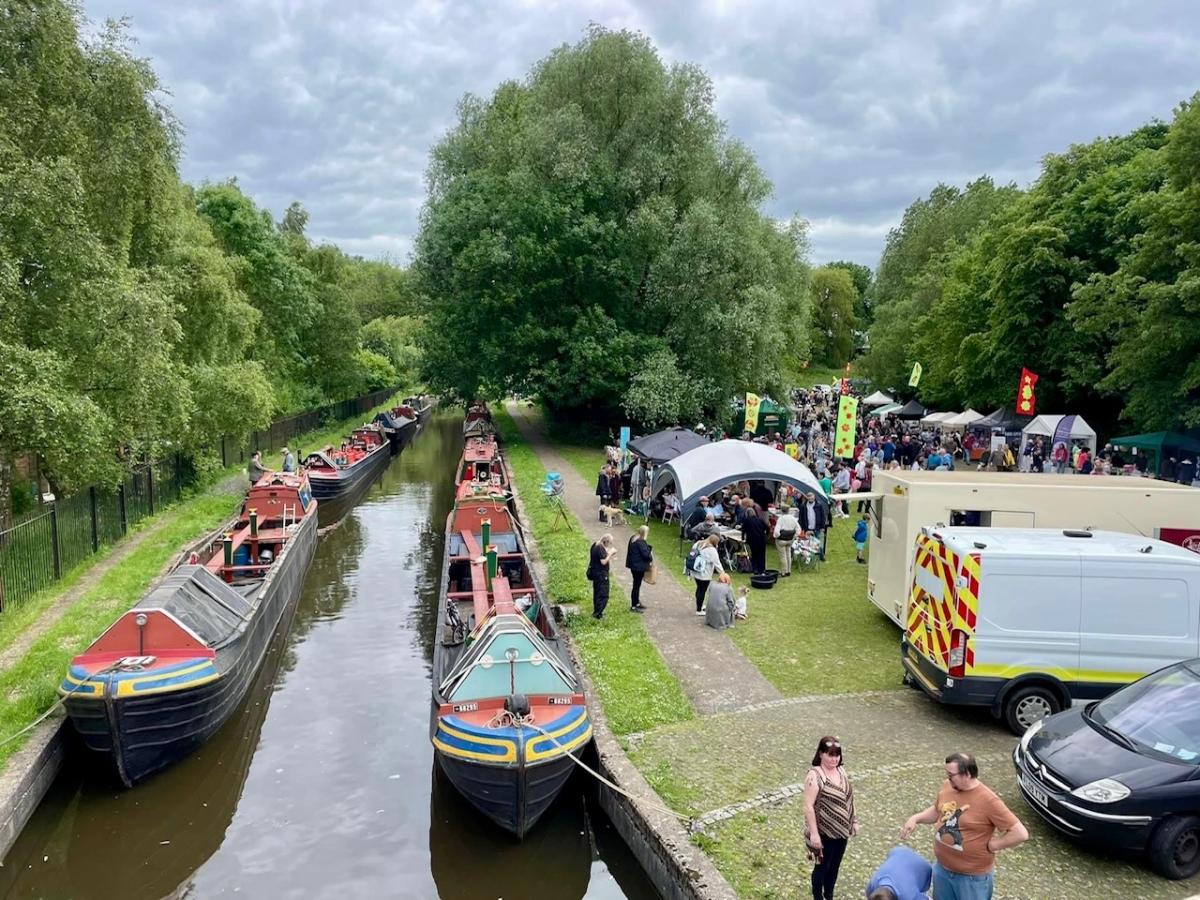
<point x="853" y="108"/>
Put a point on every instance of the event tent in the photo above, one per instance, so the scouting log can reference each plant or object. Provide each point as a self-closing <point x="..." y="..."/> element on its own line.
<point x="1161" y="443"/>
<point x="911" y="410"/>
<point x="1059" y="428"/>
<point x="963" y="419"/>
<point x="772" y="417"/>
<point x="938" y="418"/>
<point x="879" y="398"/>
<point x="664" y="445"/>
<point x="1002" y="419"/>
<point x="885" y="410"/>
<point x="708" y="468"/>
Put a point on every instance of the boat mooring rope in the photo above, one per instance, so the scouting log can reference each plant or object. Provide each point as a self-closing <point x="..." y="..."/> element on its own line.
<point x="57" y="703"/>
<point x="690" y="820"/>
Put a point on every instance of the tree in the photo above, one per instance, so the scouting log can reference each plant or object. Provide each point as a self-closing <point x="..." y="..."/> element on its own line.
<point x="833" y="299"/>
<point x="862" y="278"/>
<point x="594" y="214"/>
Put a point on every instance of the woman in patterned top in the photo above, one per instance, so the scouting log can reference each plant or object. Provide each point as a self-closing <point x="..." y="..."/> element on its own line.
<point x="829" y="818"/>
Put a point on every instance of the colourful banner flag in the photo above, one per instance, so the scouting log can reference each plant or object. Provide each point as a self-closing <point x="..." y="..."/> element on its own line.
<point x="792" y="450"/>
<point x="752" y="404"/>
<point x="915" y="378"/>
<point x="1026" y="399"/>
<point x="843" y="445"/>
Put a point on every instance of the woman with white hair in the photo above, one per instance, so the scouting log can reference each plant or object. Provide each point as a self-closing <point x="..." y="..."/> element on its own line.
<point x="639" y="557"/>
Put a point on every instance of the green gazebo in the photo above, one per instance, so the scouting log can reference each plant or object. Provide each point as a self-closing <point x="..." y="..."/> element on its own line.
<point x="772" y="417"/>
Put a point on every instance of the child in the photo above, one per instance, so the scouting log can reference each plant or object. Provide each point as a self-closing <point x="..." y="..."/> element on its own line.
<point x="860" y="539"/>
<point x="739" y="604"/>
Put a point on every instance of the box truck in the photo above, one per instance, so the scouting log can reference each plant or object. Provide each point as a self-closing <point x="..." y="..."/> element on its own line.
<point x="906" y="501"/>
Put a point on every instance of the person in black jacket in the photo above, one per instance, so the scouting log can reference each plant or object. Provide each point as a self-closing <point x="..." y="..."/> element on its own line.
<point x="604" y="489"/>
<point x="754" y="533"/>
<point x="639" y="556"/>
<point x="602" y="554"/>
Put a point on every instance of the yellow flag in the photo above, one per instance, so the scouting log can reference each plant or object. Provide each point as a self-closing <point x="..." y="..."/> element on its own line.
<point x="843" y="444"/>
<point x="752" y="404"/>
<point x="915" y="378"/>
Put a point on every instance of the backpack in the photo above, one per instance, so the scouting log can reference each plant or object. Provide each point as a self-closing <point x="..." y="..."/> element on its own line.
<point x="695" y="564"/>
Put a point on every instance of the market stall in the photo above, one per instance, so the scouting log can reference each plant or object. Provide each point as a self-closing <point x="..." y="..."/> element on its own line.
<point x="879" y="398"/>
<point x="937" y="418"/>
<point x="1160" y="446"/>
<point x="665" y="445"/>
<point x="911" y="410"/>
<point x="962" y="420"/>
<point x="1059" y="429"/>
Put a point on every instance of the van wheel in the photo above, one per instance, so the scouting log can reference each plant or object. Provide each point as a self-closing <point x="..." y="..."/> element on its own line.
<point x="1175" y="848"/>
<point x="1030" y="704"/>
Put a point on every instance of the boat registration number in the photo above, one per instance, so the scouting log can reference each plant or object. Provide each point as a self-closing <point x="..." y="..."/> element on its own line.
<point x="560" y="701"/>
<point x="1035" y="793"/>
<point x="466" y="707"/>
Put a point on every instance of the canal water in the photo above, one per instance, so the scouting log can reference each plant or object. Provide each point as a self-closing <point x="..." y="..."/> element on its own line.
<point x="323" y="783"/>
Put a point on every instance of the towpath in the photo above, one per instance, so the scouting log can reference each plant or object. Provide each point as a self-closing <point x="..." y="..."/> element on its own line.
<point x="714" y="673"/>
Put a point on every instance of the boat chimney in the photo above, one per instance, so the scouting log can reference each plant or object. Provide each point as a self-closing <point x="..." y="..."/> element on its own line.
<point x="227" y="545"/>
<point x="492" y="559"/>
<point x="253" y="522"/>
<point x="486" y="526"/>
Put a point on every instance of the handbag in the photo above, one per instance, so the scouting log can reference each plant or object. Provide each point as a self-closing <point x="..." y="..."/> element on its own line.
<point x="651" y="576"/>
<point x="787" y="534"/>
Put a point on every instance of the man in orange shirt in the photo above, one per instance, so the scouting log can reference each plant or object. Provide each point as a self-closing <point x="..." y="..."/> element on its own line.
<point x="968" y="814"/>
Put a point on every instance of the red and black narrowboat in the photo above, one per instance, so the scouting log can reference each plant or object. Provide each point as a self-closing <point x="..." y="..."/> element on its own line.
<point x="343" y="473"/>
<point x="478" y="422"/>
<point x="508" y="711"/>
<point x="481" y="463"/>
<point x="399" y="425"/>
<point x="168" y="674"/>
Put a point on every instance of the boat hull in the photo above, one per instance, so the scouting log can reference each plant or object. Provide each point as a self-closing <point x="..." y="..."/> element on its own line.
<point x="514" y="797"/>
<point x="349" y="484"/>
<point x="141" y="735"/>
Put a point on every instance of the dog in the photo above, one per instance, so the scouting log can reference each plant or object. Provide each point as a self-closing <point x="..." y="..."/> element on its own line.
<point x="613" y="515"/>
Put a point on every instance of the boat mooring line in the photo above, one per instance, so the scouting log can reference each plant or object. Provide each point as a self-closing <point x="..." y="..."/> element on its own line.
<point x="796" y="789"/>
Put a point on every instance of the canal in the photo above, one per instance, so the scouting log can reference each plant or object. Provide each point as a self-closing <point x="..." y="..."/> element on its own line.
<point x="323" y="783"/>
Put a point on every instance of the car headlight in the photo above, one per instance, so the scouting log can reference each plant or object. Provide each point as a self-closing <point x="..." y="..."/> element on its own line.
<point x="1106" y="790"/>
<point x="1029" y="733"/>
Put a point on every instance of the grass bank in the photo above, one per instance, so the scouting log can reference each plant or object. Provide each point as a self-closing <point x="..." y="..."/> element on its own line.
<point x="27" y="687"/>
<point x="635" y="687"/>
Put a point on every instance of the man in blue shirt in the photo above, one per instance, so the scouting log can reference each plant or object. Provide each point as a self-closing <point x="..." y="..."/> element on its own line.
<point x="904" y="875"/>
<point x="889" y="450"/>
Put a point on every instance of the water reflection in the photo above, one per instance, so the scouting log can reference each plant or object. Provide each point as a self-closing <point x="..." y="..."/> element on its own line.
<point x="320" y="785"/>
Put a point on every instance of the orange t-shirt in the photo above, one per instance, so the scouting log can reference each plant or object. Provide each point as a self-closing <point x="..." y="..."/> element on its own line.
<point x="966" y="822"/>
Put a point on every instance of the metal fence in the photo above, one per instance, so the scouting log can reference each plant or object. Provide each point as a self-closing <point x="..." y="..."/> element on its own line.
<point x="45" y="542"/>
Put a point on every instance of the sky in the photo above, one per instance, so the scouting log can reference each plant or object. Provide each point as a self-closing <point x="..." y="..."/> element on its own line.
<point x="853" y="108"/>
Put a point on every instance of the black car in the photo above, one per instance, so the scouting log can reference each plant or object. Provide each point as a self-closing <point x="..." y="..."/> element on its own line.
<point x="1124" y="772"/>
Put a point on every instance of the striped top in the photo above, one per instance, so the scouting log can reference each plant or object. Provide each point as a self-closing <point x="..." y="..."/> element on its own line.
<point x="834" y="806"/>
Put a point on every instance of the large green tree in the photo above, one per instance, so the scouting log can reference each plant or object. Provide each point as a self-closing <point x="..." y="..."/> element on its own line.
<point x="595" y="218"/>
<point x="834" y="297"/>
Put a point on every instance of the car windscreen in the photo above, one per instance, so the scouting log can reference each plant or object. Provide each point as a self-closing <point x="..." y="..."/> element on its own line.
<point x="1161" y="713"/>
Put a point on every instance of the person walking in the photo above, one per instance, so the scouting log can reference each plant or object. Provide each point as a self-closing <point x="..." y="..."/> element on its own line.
<point x="861" y="532"/>
<point x="639" y="557"/>
<point x="1059" y="457"/>
<point x="255" y="469"/>
<point x="598" y="570"/>
<point x="829" y="817"/>
<point x="786" y="528"/>
<point x="708" y="562"/>
<point x="968" y="815"/>
<point x="289" y="460"/>
<point x="604" y="489"/>
<point x="904" y="875"/>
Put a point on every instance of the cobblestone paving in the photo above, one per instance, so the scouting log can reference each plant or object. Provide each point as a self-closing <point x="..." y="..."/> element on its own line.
<point x="739" y="773"/>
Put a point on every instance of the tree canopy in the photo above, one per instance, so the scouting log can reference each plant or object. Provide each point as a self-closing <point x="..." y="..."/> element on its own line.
<point x="594" y="222"/>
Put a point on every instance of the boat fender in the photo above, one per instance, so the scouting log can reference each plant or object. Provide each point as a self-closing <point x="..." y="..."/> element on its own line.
<point x="517" y="704"/>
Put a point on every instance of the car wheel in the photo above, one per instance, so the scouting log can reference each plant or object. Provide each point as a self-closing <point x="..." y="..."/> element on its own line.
<point x="1175" y="847"/>
<point x="1027" y="705"/>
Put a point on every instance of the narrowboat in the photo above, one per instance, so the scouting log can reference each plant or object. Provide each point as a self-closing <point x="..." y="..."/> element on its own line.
<point x="420" y="405"/>
<point x="343" y="473"/>
<point x="399" y="426"/>
<point x="478" y="422"/>
<point x="168" y="673"/>
<point x="508" y="712"/>
<point x="481" y="462"/>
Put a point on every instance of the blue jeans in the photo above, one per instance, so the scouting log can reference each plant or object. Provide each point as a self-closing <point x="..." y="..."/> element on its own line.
<point x="949" y="885"/>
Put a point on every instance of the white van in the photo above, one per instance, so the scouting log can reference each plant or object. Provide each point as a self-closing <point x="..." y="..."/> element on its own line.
<point x="1025" y="620"/>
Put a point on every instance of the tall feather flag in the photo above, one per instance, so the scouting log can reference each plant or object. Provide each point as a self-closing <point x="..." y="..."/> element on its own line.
<point x="843" y="444"/>
<point x="915" y="378"/>
<point x="752" y="404"/>
<point x="1026" y="398"/>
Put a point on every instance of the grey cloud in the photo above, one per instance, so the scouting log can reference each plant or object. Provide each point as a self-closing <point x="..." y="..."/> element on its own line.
<point x="853" y="109"/>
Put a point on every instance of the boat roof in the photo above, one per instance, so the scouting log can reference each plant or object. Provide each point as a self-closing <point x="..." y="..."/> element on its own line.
<point x="1062" y="542"/>
<point x="200" y="601"/>
<point x="969" y="478"/>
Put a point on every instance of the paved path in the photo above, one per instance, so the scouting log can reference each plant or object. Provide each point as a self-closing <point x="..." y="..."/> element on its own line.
<point x="714" y="673"/>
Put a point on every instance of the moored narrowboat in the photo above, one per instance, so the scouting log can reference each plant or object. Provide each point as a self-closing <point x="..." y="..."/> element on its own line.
<point x="343" y="473"/>
<point x="169" y="672"/>
<point x="481" y="462"/>
<point x="508" y="712"/>
<point x="478" y="422"/>
<point x="399" y="426"/>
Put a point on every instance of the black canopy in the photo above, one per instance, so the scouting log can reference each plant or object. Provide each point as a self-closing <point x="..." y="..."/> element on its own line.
<point x="1002" y="419"/>
<point x="910" y="410"/>
<point x="665" y="445"/>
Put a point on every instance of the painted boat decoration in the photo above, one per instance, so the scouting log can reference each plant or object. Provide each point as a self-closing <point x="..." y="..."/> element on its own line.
<point x="345" y="472"/>
<point x="168" y="673"/>
<point x="399" y="425"/>
<point x="481" y="463"/>
<point x="507" y="706"/>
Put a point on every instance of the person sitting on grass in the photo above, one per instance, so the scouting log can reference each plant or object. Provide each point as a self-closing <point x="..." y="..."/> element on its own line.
<point x="740" y="610"/>
<point x="720" y="610"/>
<point x="861" y="532"/>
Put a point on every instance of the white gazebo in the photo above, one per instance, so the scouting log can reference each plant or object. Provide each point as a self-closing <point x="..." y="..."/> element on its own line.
<point x="962" y="420"/>
<point x="879" y="398"/>
<point x="937" y="418"/>
<point x="884" y="410"/>
<point x="1059" y="428"/>
<point x="707" y="468"/>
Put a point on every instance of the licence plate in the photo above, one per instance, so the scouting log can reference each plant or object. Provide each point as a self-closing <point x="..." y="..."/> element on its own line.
<point x="1035" y="793"/>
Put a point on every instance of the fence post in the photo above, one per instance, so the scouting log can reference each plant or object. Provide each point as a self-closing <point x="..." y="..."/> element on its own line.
<point x="54" y="540"/>
<point x="124" y="513"/>
<point x="150" y="486"/>
<point x="224" y="462"/>
<point x="95" y="524"/>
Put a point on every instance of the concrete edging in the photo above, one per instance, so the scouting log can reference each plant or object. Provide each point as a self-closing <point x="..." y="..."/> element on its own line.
<point x="27" y="777"/>
<point x="678" y="869"/>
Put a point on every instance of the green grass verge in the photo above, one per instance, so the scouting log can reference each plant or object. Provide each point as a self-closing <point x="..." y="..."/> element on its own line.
<point x="28" y="688"/>
<point x="813" y="633"/>
<point x="634" y="685"/>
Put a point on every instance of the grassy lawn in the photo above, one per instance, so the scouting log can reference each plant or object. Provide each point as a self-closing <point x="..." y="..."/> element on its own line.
<point x="635" y="687"/>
